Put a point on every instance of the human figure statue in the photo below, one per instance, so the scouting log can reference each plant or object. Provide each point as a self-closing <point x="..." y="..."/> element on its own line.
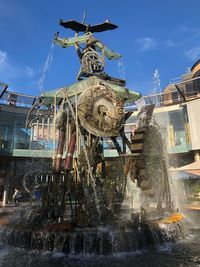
<point x="92" y="55"/>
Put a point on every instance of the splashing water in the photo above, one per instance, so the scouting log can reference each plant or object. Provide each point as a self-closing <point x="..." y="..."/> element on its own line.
<point x="46" y="67"/>
<point x="121" y="69"/>
<point x="134" y="195"/>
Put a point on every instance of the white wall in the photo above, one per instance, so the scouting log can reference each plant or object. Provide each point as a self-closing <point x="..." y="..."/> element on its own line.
<point x="193" y="108"/>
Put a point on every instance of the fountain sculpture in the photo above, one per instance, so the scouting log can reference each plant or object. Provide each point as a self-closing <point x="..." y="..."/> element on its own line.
<point x="85" y="204"/>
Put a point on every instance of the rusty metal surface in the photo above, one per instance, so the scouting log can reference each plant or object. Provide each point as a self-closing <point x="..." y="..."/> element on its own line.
<point x="100" y="111"/>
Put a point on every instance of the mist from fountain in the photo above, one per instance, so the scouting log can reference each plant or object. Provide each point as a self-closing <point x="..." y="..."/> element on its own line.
<point x="132" y="200"/>
<point x="121" y="69"/>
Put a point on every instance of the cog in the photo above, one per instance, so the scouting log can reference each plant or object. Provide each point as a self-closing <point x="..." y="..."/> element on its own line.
<point x="100" y="111"/>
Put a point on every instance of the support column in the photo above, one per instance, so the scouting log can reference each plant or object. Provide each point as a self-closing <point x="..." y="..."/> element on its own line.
<point x="4" y="202"/>
<point x="196" y="155"/>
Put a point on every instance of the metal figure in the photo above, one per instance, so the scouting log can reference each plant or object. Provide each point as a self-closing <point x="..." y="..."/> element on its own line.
<point x="92" y="55"/>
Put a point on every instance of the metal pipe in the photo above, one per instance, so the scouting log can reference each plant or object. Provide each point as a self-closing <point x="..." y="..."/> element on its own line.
<point x="5" y="88"/>
<point x="43" y="131"/>
<point x="37" y="128"/>
<point x="59" y="153"/>
<point x="48" y="127"/>
<point x="77" y="137"/>
<point x="180" y="92"/>
<point x="57" y="158"/>
<point x="67" y="129"/>
<point x="70" y="152"/>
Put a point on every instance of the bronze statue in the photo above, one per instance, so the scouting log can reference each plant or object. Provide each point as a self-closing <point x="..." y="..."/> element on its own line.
<point x="92" y="55"/>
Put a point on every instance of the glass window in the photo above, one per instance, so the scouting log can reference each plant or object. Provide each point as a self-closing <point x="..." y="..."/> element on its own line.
<point x="177" y="127"/>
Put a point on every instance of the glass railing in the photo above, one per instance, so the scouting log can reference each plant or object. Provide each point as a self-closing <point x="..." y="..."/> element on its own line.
<point x="17" y="99"/>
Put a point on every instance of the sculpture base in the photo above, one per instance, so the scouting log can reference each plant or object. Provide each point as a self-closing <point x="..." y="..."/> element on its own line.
<point x="96" y="240"/>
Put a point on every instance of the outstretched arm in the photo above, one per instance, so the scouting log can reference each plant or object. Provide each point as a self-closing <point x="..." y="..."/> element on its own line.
<point x="107" y="52"/>
<point x="86" y="39"/>
<point x="67" y="42"/>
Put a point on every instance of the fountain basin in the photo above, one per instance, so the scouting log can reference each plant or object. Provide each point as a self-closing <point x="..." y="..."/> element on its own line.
<point x="101" y="240"/>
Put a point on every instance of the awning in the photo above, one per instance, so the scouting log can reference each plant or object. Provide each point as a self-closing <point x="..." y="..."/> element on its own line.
<point x="192" y="168"/>
<point x="194" y="172"/>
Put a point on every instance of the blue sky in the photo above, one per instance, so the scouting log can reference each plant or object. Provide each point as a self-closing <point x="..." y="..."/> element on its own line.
<point x="163" y="35"/>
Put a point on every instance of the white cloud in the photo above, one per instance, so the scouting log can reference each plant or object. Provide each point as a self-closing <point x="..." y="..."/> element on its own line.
<point x="194" y="53"/>
<point x="174" y="44"/>
<point x="147" y="43"/>
<point x="10" y="70"/>
<point x="170" y="43"/>
<point x="195" y="32"/>
<point x="189" y="35"/>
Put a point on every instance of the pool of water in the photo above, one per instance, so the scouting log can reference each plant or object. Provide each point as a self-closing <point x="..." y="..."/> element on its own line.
<point x="184" y="253"/>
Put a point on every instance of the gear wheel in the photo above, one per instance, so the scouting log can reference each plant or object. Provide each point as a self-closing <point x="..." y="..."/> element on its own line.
<point x="100" y="111"/>
<point x="92" y="62"/>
